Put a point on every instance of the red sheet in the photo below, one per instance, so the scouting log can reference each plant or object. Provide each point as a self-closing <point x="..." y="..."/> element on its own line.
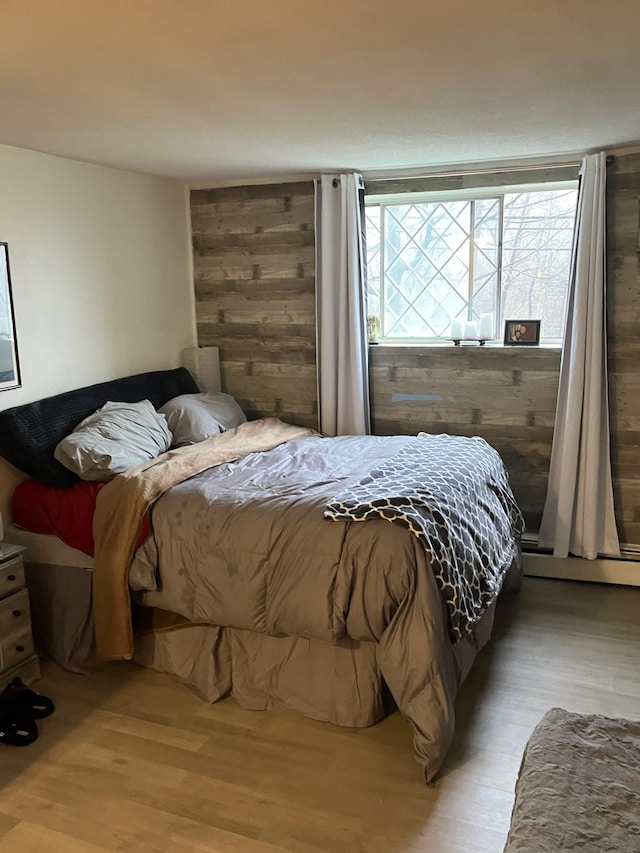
<point x="65" y="513"/>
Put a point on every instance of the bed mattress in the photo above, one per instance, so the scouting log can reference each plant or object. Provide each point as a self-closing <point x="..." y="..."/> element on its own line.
<point x="47" y="550"/>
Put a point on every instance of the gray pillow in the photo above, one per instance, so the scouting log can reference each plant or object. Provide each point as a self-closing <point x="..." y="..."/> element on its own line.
<point x="194" y="417"/>
<point x="113" y="439"/>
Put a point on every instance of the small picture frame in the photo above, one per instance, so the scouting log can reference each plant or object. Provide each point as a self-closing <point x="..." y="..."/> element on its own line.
<point x="521" y="333"/>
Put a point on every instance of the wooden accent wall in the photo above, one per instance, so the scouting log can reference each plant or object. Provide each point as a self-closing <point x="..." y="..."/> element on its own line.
<point x="254" y="284"/>
<point x="623" y="306"/>
<point x="506" y="395"/>
<point x="254" y="278"/>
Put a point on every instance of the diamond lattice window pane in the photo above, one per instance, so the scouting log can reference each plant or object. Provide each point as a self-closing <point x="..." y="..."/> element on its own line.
<point x="438" y="305"/>
<point x="410" y="325"/>
<point x="373" y="260"/>
<point x="427" y="263"/>
<point x="486" y="247"/>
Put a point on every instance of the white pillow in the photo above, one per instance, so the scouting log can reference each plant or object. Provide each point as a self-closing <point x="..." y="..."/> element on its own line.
<point x="113" y="439"/>
<point x="194" y="417"/>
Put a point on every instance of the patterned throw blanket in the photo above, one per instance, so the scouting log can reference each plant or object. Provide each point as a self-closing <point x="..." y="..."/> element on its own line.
<point x="453" y="493"/>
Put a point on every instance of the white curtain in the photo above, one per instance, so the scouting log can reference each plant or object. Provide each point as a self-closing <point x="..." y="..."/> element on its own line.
<point x="578" y="514"/>
<point x="343" y="370"/>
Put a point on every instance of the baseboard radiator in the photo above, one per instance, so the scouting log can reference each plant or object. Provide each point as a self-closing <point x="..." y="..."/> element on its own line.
<point x="540" y="563"/>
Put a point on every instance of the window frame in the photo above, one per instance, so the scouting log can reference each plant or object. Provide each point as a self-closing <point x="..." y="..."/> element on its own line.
<point x="470" y="194"/>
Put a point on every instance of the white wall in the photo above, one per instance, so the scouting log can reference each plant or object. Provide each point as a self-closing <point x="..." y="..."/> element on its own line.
<point x="100" y="268"/>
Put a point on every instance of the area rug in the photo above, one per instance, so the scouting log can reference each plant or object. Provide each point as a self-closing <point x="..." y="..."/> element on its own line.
<point x="579" y="787"/>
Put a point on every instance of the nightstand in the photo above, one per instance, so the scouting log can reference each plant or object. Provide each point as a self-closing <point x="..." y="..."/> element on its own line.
<point x="17" y="653"/>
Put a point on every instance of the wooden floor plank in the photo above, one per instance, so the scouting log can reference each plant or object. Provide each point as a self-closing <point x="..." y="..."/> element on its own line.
<point x="134" y="761"/>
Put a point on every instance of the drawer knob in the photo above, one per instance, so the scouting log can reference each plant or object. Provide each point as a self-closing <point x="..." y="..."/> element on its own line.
<point x="19" y="648"/>
<point x="11" y="577"/>
<point x="17" y="612"/>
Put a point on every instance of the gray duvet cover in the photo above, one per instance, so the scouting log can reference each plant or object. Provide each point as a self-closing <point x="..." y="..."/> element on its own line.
<point x="246" y="545"/>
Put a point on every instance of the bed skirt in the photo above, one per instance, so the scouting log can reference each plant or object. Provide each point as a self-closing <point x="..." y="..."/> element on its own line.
<point x="62" y="614"/>
<point x="339" y="683"/>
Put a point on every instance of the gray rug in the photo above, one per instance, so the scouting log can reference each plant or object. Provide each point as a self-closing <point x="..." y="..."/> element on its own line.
<point x="579" y="787"/>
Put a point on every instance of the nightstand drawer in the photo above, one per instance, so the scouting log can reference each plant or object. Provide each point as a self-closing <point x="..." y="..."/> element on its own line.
<point x="16" y="649"/>
<point x="14" y="614"/>
<point x="11" y="577"/>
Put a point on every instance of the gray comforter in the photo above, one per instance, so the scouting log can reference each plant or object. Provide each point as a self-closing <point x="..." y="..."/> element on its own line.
<point x="246" y="545"/>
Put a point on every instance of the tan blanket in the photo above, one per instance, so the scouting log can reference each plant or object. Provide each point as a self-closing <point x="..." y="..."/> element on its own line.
<point x="121" y="506"/>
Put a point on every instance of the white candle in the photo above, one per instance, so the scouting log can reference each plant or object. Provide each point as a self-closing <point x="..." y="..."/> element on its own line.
<point x="456" y="330"/>
<point x="486" y="327"/>
<point x="470" y="330"/>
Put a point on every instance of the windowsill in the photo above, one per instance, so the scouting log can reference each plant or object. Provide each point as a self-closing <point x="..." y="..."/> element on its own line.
<point x="468" y="345"/>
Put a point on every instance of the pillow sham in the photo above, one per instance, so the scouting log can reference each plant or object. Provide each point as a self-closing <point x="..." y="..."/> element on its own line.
<point x="113" y="439"/>
<point x="194" y="417"/>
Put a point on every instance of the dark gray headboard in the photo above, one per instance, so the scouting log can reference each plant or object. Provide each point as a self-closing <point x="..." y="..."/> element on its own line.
<point x="29" y="434"/>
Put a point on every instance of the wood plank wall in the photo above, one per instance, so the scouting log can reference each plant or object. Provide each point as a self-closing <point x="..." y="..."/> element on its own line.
<point x="255" y="299"/>
<point x="623" y="306"/>
<point x="254" y="279"/>
<point x="508" y="396"/>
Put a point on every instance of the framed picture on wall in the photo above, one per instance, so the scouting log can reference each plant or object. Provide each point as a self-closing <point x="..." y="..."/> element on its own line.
<point x="9" y="365"/>
<point x="521" y="333"/>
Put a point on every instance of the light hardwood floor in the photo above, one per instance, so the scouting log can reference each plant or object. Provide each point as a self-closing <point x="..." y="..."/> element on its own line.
<point x="132" y="760"/>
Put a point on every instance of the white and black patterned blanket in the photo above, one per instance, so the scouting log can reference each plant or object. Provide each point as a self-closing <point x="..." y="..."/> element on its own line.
<point x="453" y="493"/>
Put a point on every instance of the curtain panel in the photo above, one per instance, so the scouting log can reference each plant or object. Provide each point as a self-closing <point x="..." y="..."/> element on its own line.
<point x="341" y="322"/>
<point x="579" y="514"/>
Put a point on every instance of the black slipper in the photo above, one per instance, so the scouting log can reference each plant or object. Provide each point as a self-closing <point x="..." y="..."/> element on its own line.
<point x="28" y="701"/>
<point x="16" y="730"/>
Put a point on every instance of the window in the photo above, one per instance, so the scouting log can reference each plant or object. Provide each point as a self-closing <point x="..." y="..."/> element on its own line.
<point x="435" y="257"/>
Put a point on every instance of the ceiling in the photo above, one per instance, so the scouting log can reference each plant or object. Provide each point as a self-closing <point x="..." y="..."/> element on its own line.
<point x="232" y="90"/>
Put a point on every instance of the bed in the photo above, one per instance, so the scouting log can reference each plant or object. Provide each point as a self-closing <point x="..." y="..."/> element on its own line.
<point x="259" y="579"/>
